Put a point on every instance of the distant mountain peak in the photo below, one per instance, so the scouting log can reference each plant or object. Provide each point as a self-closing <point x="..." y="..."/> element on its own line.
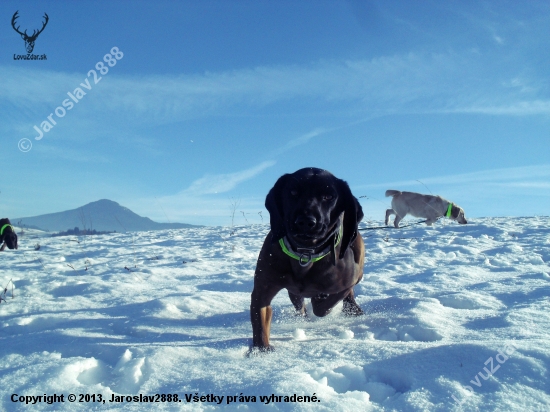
<point x="103" y="201"/>
<point x="101" y="215"/>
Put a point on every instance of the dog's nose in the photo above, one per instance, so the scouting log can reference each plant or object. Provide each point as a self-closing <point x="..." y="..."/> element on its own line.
<point x="306" y="222"/>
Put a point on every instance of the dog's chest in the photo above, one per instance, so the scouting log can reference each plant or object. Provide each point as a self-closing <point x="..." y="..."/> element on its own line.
<point x="309" y="282"/>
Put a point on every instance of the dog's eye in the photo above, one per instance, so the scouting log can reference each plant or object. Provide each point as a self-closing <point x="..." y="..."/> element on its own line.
<point x="327" y="197"/>
<point x="294" y="192"/>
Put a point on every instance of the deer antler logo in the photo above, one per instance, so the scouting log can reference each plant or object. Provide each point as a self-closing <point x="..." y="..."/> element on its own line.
<point x="29" y="40"/>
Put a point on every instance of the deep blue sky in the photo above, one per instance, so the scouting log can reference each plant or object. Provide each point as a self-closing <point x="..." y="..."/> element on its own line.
<point x="214" y="100"/>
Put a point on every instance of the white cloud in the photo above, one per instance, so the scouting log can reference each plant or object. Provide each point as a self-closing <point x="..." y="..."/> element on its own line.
<point x="412" y="82"/>
<point x="520" y="108"/>
<point x="527" y="175"/>
<point x="206" y="199"/>
<point x="214" y="184"/>
<point x="300" y="140"/>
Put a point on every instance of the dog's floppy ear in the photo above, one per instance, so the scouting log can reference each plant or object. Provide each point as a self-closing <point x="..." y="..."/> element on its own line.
<point x="274" y="205"/>
<point x="353" y="213"/>
<point x="455" y="211"/>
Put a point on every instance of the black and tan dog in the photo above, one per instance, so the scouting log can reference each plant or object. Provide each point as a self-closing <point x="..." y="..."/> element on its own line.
<point x="313" y="249"/>
<point x="8" y="237"/>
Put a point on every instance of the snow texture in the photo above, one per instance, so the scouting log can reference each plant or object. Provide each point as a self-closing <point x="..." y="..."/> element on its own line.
<point x="457" y="318"/>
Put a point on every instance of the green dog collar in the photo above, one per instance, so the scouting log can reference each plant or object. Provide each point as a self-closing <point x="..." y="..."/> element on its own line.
<point x="448" y="214"/>
<point x="306" y="257"/>
<point x="4" y="227"/>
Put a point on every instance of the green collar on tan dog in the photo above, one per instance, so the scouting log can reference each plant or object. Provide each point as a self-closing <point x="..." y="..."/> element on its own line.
<point x="448" y="214"/>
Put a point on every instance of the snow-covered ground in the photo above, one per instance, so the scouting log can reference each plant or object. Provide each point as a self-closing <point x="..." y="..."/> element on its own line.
<point x="167" y="312"/>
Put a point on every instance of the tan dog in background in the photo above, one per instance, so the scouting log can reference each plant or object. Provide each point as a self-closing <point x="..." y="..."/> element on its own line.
<point x="418" y="205"/>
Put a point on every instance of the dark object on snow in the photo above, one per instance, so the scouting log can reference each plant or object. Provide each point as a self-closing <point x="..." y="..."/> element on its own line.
<point x="313" y="249"/>
<point x="8" y="237"/>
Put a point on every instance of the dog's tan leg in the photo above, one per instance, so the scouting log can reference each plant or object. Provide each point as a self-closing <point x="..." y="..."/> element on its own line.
<point x="389" y="212"/>
<point x="358" y="248"/>
<point x="261" y="327"/>
<point x="260" y="316"/>
<point x="397" y="220"/>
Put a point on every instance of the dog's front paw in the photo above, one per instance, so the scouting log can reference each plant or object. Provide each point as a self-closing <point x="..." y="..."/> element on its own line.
<point x="301" y="314"/>
<point x="350" y="309"/>
<point x="259" y="351"/>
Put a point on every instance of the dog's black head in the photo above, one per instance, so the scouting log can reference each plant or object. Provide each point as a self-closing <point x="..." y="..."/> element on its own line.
<point x="7" y="234"/>
<point x="306" y="207"/>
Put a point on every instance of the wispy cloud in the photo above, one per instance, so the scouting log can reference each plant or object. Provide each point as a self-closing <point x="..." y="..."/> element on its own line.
<point x="524" y="175"/>
<point x="520" y="108"/>
<point x="412" y="82"/>
<point x="206" y="199"/>
<point x="214" y="184"/>
<point x="301" y="140"/>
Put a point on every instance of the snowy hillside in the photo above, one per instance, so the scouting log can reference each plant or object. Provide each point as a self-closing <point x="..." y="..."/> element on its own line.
<point x="167" y="312"/>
